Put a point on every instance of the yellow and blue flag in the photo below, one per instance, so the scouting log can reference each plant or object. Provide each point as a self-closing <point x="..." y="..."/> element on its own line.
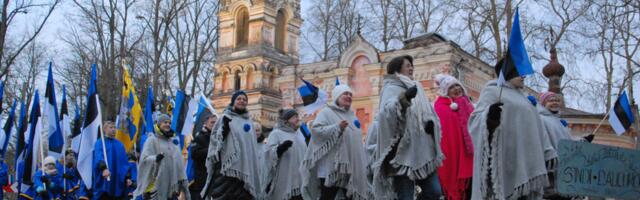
<point x="128" y="121"/>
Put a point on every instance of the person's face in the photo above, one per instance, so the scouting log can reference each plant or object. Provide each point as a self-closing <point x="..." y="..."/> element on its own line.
<point x="110" y="130"/>
<point x="50" y="166"/>
<point x="165" y="125"/>
<point x="553" y="103"/>
<point x="210" y="122"/>
<point x="407" y="68"/>
<point x="241" y="102"/>
<point x="258" y="129"/>
<point x="69" y="158"/>
<point x="517" y="82"/>
<point x="294" y="120"/>
<point x="345" y="100"/>
<point x="455" y="91"/>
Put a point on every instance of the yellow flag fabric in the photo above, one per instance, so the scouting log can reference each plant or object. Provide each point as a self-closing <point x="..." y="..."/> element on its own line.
<point x="128" y="123"/>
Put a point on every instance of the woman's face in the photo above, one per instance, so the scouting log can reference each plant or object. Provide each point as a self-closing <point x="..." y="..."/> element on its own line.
<point x="553" y="103"/>
<point x="345" y="100"/>
<point x="407" y="68"/>
<point x="241" y="102"/>
<point x="294" y="120"/>
<point x="455" y="91"/>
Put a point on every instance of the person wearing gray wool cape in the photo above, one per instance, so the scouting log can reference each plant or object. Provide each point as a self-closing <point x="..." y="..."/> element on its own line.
<point x="511" y="149"/>
<point x="335" y="161"/>
<point x="232" y="161"/>
<point x="161" y="172"/>
<point x="405" y="138"/>
<point x="283" y="156"/>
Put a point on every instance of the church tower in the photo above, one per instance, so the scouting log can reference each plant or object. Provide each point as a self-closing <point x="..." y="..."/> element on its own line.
<point x="257" y="39"/>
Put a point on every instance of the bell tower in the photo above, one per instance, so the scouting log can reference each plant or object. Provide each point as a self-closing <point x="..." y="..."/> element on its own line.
<point x="257" y="38"/>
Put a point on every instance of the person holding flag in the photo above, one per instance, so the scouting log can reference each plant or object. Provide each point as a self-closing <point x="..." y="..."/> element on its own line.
<point x="511" y="149"/>
<point x="48" y="181"/>
<point x="109" y="183"/>
<point x="232" y="161"/>
<point x="161" y="171"/>
<point x="335" y="161"/>
<point x="285" y="151"/>
<point x="407" y="150"/>
<point x="198" y="153"/>
<point x="70" y="176"/>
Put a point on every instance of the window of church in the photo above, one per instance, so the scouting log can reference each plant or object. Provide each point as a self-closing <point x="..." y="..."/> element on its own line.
<point x="242" y="27"/>
<point x="236" y="79"/>
<point x="281" y="30"/>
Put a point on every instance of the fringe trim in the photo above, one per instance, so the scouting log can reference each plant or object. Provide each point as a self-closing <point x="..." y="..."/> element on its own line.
<point x="422" y="172"/>
<point x="339" y="176"/>
<point x="243" y="177"/>
<point x="551" y="164"/>
<point x="535" y="183"/>
<point x="271" y="171"/>
<point x="322" y="151"/>
<point x="292" y="193"/>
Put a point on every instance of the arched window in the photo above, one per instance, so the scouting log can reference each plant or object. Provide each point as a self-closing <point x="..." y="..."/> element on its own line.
<point x="236" y="79"/>
<point x="281" y="30"/>
<point x="242" y="27"/>
<point x="224" y="84"/>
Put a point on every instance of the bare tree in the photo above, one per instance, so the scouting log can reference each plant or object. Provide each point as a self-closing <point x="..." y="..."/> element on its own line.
<point x="319" y="20"/>
<point x="432" y="15"/>
<point x="12" y="45"/>
<point x="383" y="21"/>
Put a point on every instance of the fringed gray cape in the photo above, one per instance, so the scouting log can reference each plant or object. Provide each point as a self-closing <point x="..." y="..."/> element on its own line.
<point x="342" y="149"/>
<point x="283" y="173"/>
<point x="517" y="151"/>
<point x="169" y="176"/>
<point x="419" y="153"/>
<point x="237" y="154"/>
<point x="554" y="128"/>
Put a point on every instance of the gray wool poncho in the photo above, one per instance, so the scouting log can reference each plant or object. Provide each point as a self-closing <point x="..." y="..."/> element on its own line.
<point x="418" y="154"/>
<point x="343" y="151"/>
<point x="283" y="173"/>
<point x="554" y="128"/>
<point x="167" y="177"/>
<point x="518" y="149"/>
<point x="237" y="154"/>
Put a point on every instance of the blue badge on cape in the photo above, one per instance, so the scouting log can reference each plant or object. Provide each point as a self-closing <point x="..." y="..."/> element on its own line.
<point x="564" y="122"/>
<point x="533" y="100"/>
<point x="357" y="123"/>
<point x="247" y="127"/>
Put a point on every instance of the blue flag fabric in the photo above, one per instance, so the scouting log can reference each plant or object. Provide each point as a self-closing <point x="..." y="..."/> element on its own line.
<point x="148" y="121"/>
<point x="313" y="98"/>
<point x="91" y="128"/>
<point x="50" y="112"/>
<point x="7" y="129"/>
<point x="516" y="61"/>
<point x="180" y="115"/>
<point x="118" y="166"/>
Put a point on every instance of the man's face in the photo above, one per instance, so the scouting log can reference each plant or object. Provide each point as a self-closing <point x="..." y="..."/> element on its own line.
<point x="241" y="102"/>
<point x="110" y="130"/>
<point x="165" y="125"/>
<point x="211" y="122"/>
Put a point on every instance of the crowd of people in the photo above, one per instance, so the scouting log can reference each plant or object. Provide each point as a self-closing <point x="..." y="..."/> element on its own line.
<point x="501" y="147"/>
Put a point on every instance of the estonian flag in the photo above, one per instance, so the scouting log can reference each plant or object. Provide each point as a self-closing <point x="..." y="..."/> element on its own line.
<point x="516" y="61"/>
<point x="29" y="157"/>
<point x="620" y="115"/>
<point x="183" y="116"/>
<point x="7" y="129"/>
<point x="51" y="122"/>
<point x="90" y="130"/>
<point x="337" y="81"/>
<point x="204" y="110"/>
<point x="65" y="120"/>
<point x="148" y="119"/>
<point x="312" y="98"/>
<point x="76" y="130"/>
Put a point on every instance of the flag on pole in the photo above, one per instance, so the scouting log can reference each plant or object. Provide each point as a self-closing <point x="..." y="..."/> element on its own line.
<point x="337" y="81"/>
<point x="516" y="61"/>
<point x="204" y="110"/>
<point x="76" y="130"/>
<point x="128" y="122"/>
<point x="313" y="98"/>
<point x="182" y="120"/>
<point x="90" y="130"/>
<point x="620" y="115"/>
<point x="65" y="120"/>
<point x="149" y="123"/>
<point x="29" y="157"/>
<point x="21" y="142"/>
<point x="51" y="122"/>
<point x="7" y="129"/>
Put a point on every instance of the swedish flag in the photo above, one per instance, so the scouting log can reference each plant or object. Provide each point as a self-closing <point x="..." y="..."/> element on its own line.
<point x="128" y="122"/>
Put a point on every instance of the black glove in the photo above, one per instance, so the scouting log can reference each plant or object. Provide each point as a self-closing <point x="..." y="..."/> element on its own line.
<point x="45" y="180"/>
<point x="411" y="93"/>
<point x="159" y="158"/>
<point x="493" y="117"/>
<point x="589" y="137"/>
<point x="283" y="147"/>
<point x="225" y="127"/>
<point x="429" y="128"/>
<point x="67" y="176"/>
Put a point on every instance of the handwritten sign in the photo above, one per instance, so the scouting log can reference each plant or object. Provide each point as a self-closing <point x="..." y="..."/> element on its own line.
<point x="586" y="169"/>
